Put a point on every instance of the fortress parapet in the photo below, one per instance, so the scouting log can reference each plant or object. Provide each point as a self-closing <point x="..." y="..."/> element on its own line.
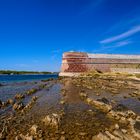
<point x="74" y="63"/>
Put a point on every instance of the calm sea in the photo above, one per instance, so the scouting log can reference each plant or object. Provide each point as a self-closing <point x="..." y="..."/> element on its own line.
<point x="20" y="78"/>
<point x="12" y="84"/>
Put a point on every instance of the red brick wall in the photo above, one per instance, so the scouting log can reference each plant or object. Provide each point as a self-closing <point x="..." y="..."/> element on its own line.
<point x="74" y="62"/>
<point x="80" y="62"/>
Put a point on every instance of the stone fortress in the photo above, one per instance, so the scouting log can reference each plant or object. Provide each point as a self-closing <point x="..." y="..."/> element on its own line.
<point x="74" y="63"/>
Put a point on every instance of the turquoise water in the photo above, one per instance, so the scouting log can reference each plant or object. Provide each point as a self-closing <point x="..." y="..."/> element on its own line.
<point x="20" y="78"/>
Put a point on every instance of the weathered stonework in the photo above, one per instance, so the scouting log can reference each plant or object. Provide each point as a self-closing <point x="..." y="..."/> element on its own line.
<point x="74" y="63"/>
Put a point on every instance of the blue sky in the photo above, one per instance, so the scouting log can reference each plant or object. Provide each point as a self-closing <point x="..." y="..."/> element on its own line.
<point x="35" y="33"/>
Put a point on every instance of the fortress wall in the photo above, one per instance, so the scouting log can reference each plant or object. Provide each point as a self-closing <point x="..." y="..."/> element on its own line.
<point x="75" y="62"/>
<point x="114" y="56"/>
<point x="128" y="70"/>
<point x="99" y="60"/>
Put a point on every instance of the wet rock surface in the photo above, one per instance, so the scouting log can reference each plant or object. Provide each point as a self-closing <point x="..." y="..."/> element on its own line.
<point x="83" y="108"/>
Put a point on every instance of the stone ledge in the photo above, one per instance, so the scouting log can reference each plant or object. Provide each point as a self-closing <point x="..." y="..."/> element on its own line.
<point x="69" y="74"/>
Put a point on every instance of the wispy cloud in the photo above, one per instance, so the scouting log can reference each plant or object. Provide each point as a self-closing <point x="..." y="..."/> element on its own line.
<point x="129" y="20"/>
<point x="118" y="44"/>
<point x="105" y="48"/>
<point x="126" y="34"/>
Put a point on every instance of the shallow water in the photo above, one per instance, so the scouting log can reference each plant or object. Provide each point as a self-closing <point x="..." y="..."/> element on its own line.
<point x="122" y="97"/>
<point x="79" y="120"/>
<point x="13" y="84"/>
<point x="23" y="78"/>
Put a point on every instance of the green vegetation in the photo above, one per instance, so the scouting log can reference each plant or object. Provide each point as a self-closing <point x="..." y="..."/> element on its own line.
<point x="11" y="72"/>
<point x="97" y="74"/>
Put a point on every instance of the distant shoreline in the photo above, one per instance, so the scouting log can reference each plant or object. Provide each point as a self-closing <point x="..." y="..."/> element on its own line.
<point x="31" y="74"/>
<point x="11" y="72"/>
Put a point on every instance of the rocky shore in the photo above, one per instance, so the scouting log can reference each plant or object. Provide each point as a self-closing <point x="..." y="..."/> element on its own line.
<point x="93" y="106"/>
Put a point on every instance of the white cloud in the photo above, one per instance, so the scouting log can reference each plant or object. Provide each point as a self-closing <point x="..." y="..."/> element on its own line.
<point x="118" y="44"/>
<point x="126" y="34"/>
<point x="106" y="48"/>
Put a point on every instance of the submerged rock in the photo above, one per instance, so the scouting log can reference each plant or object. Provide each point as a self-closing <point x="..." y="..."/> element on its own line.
<point x="117" y="126"/>
<point x="99" y="105"/>
<point x="5" y="104"/>
<point x="124" y="131"/>
<point x="40" y="87"/>
<point x="34" y="98"/>
<point x="34" y="129"/>
<point x="83" y="95"/>
<point x="18" y="106"/>
<point x="62" y="102"/>
<point x="52" y="120"/>
<point x="0" y="103"/>
<point x="100" y="136"/>
<point x="111" y="136"/>
<point x="104" y="100"/>
<point x="82" y="134"/>
<point x="130" y="114"/>
<point x="63" y="92"/>
<point x="30" y="104"/>
<point x="120" y="107"/>
<point x="62" y="138"/>
<point x="137" y="125"/>
<point x="19" y="96"/>
<point x="32" y="91"/>
<point x="25" y="137"/>
<point x="10" y="101"/>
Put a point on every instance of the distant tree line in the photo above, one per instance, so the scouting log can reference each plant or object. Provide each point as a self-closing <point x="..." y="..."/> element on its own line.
<point x="10" y="72"/>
